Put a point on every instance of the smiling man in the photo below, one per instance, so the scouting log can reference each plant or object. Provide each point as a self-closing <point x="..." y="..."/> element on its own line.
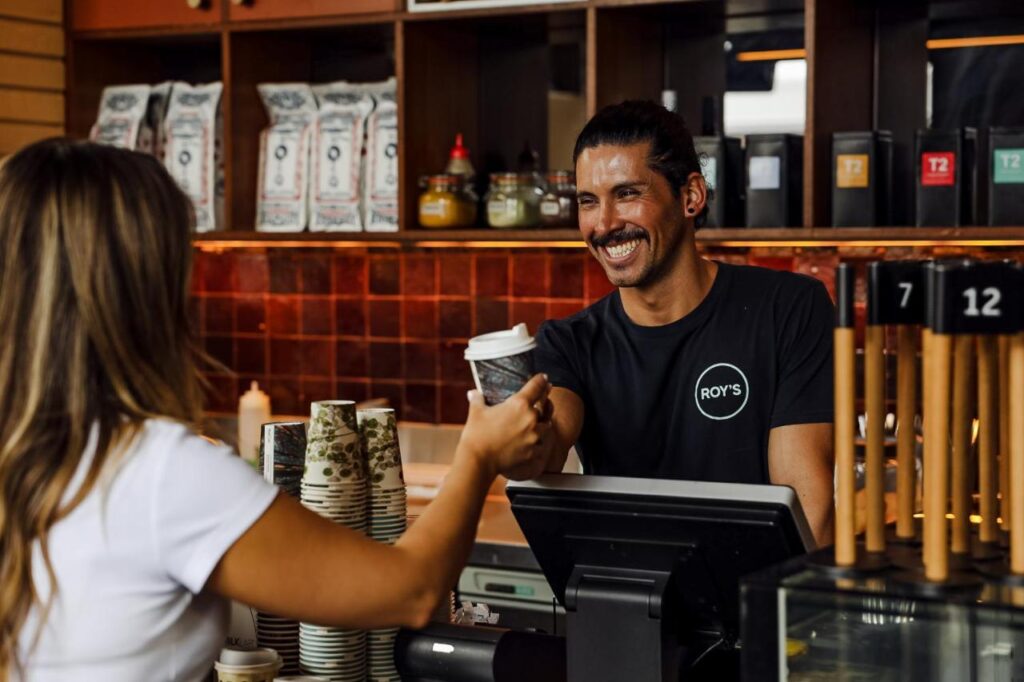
<point x="691" y="369"/>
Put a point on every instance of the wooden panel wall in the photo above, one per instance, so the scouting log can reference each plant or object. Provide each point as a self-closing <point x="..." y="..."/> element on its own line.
<point x="31" y="72"/>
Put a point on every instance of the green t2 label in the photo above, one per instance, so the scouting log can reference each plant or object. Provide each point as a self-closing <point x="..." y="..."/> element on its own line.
<point x="1008" y="166"/>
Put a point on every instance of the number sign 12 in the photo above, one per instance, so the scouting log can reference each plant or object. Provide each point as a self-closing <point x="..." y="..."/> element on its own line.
<point x="989" y="308"/>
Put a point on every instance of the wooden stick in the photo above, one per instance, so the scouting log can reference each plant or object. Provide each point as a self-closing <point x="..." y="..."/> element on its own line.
<point x="1017" y="454"/>
<point x="874" y="397"/>
<point x="936" y="466"/>
<point x="1004" y="432"/>
<point x="906" y="408"/>
<point x="960" y="480"/>
<point x="988" y="437"/>
<point x="845" y="417"/>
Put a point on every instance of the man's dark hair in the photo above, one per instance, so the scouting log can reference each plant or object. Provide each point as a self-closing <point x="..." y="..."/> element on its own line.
<point x="672" y="153"/>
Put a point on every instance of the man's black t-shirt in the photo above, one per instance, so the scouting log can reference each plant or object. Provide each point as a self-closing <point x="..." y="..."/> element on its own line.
<point x="695" y="399"/>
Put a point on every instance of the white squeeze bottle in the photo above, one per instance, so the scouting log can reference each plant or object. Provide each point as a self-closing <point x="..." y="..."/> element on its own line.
<point x="253" y="413"/>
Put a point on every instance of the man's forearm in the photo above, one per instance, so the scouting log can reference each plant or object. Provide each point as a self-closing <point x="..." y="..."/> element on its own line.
<point x="821" y="521"/>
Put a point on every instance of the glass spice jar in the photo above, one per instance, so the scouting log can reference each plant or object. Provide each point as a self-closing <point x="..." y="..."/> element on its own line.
<point x="558" y="206"/>
<point x="513" y="200"/>
<point x="446" y="203"/>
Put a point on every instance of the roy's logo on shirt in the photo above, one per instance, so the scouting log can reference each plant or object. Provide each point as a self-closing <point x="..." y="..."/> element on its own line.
<point x="721" y="391"/>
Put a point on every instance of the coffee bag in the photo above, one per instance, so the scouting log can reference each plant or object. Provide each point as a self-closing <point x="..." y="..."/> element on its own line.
<point x="283" y="190"/>
<point x="191" y="130"/>
<point x="338" y="157"/>
<point x="380" y="209"/>
<point x="121" y="115"/>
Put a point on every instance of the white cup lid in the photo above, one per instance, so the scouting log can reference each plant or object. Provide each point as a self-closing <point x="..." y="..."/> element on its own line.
<point x="500" y="344"/>
<point x="235" y="656"/>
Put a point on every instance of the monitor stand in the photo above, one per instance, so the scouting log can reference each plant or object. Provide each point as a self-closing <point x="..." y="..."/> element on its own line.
<point x="615" y="627"/>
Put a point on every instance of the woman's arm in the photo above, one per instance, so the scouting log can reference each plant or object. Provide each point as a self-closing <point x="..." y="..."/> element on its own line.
<point x="295" y="564"/>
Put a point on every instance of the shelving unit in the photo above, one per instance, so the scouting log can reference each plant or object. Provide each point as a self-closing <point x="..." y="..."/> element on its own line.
<point x="487" y="72"/>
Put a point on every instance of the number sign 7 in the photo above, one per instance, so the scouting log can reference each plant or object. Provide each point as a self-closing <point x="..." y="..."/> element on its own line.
<point x="906" y="288"/>
<point x="896" y="292"/>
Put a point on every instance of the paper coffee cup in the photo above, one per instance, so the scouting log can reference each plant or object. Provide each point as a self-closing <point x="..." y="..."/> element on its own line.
<point x="378" y="433"/>
<point x="333" y="452"/>
<point x="502" y="362"/>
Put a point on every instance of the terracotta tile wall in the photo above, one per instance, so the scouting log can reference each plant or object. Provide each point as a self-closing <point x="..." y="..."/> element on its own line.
<point x="355" y="324"/>
<point x="318" y="324"/>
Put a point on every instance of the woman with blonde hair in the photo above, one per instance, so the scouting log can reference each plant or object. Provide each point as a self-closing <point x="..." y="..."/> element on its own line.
<point x="123" y="534"/>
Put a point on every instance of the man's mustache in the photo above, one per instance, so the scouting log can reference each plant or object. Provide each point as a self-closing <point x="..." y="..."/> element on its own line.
<point x="618" y="237"/>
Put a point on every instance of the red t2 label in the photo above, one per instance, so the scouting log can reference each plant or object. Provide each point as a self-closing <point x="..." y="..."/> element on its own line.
<point x="938" y="169"/>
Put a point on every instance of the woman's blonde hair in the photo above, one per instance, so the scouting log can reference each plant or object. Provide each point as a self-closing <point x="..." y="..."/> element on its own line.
<point x="95" y="260"/>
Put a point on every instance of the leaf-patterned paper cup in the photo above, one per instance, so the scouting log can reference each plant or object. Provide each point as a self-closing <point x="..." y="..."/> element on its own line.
<point x="333" y="451"/>
<point x="378" y="431"/>
<point x="502" y="362"/>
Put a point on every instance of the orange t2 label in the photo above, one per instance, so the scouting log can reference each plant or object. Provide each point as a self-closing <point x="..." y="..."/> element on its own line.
<point x="852" y="171"/>
<point x="938" y="169"/>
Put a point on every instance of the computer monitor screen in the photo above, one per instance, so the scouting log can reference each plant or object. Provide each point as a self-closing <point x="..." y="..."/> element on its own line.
<point x="705" y="535"/>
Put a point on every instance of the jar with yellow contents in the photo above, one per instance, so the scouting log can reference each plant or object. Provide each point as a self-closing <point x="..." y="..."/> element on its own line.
<point x="446" y="203"/>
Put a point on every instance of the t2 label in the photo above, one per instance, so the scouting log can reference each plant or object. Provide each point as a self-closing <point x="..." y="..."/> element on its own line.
<point x="938" y="169"/>
<point x="1008" y="166"/>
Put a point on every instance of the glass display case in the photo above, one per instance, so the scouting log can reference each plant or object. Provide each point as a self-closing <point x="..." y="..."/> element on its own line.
<point x="802" y="623"/>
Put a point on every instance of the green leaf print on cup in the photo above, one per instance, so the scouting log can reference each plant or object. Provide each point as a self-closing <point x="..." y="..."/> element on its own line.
<point x="333" y="439"/>
<point x="378" y="432"/>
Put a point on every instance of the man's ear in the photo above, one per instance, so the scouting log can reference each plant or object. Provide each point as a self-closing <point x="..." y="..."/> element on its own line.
<point x="694" y="195"/>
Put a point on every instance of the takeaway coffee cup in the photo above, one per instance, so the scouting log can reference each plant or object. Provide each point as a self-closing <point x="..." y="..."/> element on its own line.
<point x="501" y="362"/>
<point x="247" y="665"/>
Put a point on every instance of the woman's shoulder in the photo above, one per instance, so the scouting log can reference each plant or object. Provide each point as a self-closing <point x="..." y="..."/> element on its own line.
<point x="165" y="448"/>
<point x="161" y="437"/>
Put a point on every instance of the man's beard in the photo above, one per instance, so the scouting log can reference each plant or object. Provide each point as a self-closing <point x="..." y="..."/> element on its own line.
<point x="655" y="267"/>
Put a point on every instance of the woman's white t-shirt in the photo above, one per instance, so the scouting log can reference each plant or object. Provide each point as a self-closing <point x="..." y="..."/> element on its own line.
<point x="132" y="560"/>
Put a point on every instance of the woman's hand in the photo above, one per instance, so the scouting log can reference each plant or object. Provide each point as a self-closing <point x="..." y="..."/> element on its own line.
<point x="505" y="438"/>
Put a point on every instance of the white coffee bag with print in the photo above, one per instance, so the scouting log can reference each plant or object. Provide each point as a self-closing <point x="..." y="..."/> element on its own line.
<point x="191" y="130"/>
<point x="380" y="189"/>
<point x="338" y="158"/>
<point x="121" y="115"/>
<point x="151" y="136"/>
<point x="282" y="195"/>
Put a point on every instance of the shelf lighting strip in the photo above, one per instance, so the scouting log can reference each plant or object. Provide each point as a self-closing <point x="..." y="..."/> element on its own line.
<point x="933" y="44"/>
<point x="228" y="244"/>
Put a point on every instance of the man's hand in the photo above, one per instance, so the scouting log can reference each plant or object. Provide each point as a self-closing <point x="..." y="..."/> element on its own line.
<point x="564" y="410"/>
<point x="506" y="437"/>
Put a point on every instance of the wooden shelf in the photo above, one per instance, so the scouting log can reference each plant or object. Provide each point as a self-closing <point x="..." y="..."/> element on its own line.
<point x="489" y="74"/>
<point x="479" y="238"/>
<point x="863" y="236"/>
<point x="815" y="237"/>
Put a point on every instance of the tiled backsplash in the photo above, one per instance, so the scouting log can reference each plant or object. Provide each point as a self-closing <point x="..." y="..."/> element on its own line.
<point x="316" y="324"/>
<point x="313" y="324"/>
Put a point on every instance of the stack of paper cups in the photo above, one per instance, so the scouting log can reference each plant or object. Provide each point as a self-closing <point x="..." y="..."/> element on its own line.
<point x="335" y="486"/>
<point x="282" y="460"/>
<point x="378" y="430"/>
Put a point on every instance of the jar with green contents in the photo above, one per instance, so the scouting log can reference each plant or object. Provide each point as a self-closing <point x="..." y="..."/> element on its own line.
<point x="446" y="203"/>
<point x="558" y="207"/>
<point x="513" y="201"/>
